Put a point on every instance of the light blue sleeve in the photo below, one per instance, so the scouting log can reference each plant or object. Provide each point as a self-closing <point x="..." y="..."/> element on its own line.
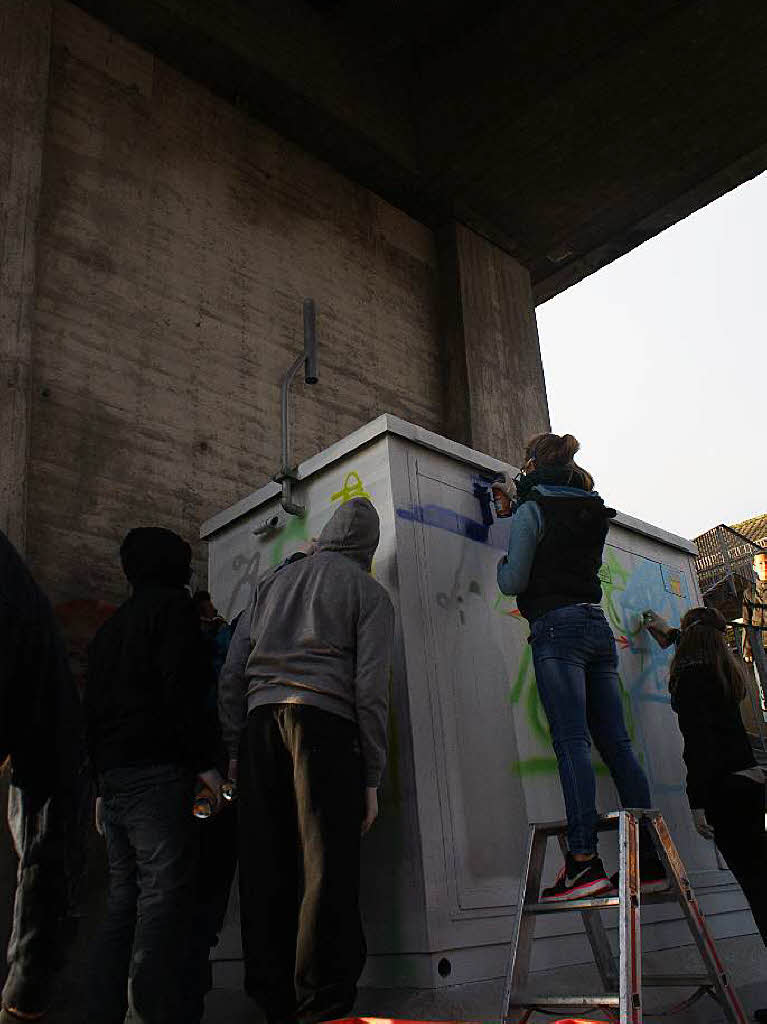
<point x="526" y="532"/>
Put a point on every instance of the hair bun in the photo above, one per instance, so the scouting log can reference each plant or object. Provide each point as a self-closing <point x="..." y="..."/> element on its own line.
<point x="568" y="446"/>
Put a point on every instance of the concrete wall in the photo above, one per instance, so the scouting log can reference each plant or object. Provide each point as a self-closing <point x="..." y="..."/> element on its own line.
<point x="177" y="241"/>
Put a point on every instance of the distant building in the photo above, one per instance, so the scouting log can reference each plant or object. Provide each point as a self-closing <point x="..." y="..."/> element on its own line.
<point x="724" y="562"/>
<point x="755" y="529"/>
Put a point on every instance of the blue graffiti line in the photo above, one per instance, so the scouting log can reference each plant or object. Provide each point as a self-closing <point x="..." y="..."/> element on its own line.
<point x="450" y="521"/>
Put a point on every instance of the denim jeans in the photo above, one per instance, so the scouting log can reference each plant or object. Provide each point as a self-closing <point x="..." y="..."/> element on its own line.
<point x="576" y="672"/>
<point x="151" y="846"/>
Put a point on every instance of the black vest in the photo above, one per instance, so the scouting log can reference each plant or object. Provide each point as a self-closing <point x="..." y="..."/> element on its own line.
<point x="567" y="561"/>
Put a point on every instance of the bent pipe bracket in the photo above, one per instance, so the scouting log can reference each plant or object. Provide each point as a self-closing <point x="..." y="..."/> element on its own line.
<point x="285" y="478"/>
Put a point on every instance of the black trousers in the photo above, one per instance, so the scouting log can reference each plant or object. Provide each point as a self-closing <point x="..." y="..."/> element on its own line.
<point x="48" y="836"/>
<point x="301" y="806"/>
<point x="736" y="811"/>
<point x="215" y="874"/>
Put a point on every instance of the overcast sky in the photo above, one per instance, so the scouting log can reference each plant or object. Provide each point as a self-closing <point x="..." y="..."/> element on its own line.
<point x="658" y="365"/>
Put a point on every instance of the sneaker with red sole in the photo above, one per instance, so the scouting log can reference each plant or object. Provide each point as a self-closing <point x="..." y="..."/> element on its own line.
<point x="578" y="880"/>
<point x="652" y="878"/>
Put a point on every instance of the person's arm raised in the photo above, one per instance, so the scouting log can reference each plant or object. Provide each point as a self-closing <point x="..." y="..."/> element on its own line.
<point x="526" y="531"/>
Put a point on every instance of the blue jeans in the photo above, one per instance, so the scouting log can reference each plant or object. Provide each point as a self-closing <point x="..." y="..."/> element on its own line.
<point x="152" y="846"/>
<point x="576" y="672"/>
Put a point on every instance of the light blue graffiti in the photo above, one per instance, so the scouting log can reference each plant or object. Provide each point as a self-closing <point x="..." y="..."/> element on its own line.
<point x="648" y="587"/>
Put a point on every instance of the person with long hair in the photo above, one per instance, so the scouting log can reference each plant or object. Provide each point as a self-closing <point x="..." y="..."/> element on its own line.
<point x="558" y="531"/>
<point x="724" y="785"/>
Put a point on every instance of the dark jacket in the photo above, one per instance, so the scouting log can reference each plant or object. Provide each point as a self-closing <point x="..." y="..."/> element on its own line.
<point x="715" y="741"/>
<point x="40" y="717"/>
<point x="568" y="555"/>
<point x="149" y="680"/>
<point x="755" y="609"/>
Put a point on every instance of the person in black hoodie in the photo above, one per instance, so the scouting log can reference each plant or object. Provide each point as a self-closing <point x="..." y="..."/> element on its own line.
<point x="556" y="542"/>
<point x="152" y="737"/>
<point x="41" y="739"/>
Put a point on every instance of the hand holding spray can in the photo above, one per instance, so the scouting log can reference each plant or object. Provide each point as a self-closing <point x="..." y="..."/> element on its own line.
<point x="204" y="804"/>
<point x="503" y="490"/>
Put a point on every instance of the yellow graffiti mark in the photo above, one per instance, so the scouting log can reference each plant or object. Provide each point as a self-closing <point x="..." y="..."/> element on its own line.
<point x="352" y="488"/>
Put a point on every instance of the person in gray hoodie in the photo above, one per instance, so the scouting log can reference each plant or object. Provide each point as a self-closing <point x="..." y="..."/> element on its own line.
<point x="309" y="664"/>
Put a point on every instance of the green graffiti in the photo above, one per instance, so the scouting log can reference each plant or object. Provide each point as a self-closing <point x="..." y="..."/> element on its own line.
<point x="506" y="606"/>
<point x="524" y="667"/>
<point x="295" y="531"/>
<point x="547" y="766"/>
<point x="614" y="579"/>
<point x="536" y="716"/>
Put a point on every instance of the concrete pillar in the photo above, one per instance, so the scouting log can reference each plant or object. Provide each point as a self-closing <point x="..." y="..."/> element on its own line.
<point x="495" y="394"/>
<point x="25" y="37"/>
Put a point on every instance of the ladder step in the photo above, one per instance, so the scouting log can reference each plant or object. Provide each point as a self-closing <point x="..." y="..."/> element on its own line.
<point x="605" y="822"/>
<point x="595" y="903"/>
<point x="677" y="980"/>
<point x="599" y="903"/>
<point x="528" y="999"/>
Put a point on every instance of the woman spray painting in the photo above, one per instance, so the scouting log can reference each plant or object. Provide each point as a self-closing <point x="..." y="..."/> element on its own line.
<point x="557" y="537"/>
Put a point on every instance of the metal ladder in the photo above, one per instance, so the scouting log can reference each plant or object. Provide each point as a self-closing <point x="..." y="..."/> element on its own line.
<point x="622" y="982"/>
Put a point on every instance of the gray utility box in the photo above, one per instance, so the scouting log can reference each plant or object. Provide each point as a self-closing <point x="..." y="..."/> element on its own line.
<point x="470" y="760"/>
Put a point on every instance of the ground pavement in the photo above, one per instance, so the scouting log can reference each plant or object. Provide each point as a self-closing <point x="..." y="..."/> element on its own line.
<point x="744" y="956"/>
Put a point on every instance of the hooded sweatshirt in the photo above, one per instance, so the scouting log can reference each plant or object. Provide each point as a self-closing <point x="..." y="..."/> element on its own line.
<point x="318" y="632"/>
<point x="149" y="680"/>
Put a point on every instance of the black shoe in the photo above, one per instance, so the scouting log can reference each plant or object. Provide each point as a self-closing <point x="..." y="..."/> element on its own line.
<point x="761" y="1016"/>
<point x="578" y="880"/>
<point x="652" y="878"/>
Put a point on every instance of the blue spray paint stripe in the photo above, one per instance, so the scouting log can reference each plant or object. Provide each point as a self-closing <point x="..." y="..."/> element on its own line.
<point x="450" y="521"/>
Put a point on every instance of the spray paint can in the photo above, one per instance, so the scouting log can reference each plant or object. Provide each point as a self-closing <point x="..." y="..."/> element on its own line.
<point x="204" y="803"/>
<point x="501" y="491"/>
<point x="501" y="502"/>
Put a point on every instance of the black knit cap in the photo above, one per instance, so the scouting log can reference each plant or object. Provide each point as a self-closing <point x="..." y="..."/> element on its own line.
<point x="152" y="554"/>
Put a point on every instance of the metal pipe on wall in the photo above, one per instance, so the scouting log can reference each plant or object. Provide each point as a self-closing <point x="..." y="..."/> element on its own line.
<point x="287" y="473"/>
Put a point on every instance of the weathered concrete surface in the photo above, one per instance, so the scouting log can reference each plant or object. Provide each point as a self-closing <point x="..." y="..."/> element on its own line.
<point x="24" y="57"/>
<point x="566" y="133"/>
<point x="494" y="388"/>
<point x="178" y="239"/>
